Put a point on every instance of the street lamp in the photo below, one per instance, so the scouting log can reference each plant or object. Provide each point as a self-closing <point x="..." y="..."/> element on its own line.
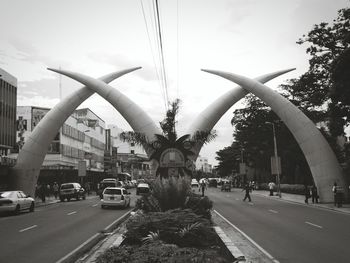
<point x="276" y="159"/>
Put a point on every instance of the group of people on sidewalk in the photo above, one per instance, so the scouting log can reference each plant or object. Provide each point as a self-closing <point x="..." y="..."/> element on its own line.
<point x="46" y="190"/>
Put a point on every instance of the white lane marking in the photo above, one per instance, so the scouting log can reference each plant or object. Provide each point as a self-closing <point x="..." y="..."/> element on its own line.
<point x="237" y="199"/>
<point x="273" y="211"/>
<point x="28" y="228"/>
<point x="250" y="203"/>
<point x="247" y="237"/>
<point x="94" y="205"/>
<point x="311" y="224"/>
<point x="72" y="213"/>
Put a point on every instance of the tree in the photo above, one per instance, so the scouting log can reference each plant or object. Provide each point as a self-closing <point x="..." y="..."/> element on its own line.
<point x="169" y="139"/>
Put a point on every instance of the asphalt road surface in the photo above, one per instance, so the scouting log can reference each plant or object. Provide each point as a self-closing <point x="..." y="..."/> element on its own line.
<point x="52" y="231"/>
<point x="289" y="232"/>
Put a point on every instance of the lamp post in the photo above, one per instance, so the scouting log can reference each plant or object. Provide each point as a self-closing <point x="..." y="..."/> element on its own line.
<point x="276" y="159"/>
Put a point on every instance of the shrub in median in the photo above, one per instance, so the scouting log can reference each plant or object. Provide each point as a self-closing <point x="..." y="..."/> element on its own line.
<point x="180" y="226"/>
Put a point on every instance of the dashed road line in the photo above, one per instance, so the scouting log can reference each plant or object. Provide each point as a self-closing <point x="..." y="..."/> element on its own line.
<point x="273" y="211"/>
<point x="250" y="203"/>
<point x="28" y="228"/>
<point x="237" y="199"/>
<point x="312" y="224"/>
<point x="72" y="213"/>
<point x="247" y="237"/>
<point x="94" y="205"/>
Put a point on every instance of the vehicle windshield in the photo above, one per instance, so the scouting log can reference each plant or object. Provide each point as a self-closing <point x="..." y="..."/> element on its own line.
<point x="5" y="194"/>
<point x="108" y="184"/>
<point x="67" y="186"/>
<point x="113" y="192"/>
<point x="143" y="190"/>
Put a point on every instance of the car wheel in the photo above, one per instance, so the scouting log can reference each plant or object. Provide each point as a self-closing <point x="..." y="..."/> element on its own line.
<point x="31" y="208"/>
<point x="84" y="197"/>
<point x="77" y="197"/>
<point x="68" y="199"/>
<point x="103" y="207"/>
<point x="17" y="209"/>
<point x="62" y="199"/>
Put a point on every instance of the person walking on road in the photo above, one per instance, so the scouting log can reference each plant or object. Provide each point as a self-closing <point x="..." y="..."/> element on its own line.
<point x="307" y="194"/>
<point x="271" y="187"/>
<point x="334" y="190"/>
<point x="314" y="194"/>
<point x="203" y="186"/>
<point x="247" y="190"/>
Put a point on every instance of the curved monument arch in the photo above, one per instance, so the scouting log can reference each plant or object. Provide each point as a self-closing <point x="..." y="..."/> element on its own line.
<point x="322" y="161"/>
<point x="207" y="119"/>
<point x="26" y="172"/>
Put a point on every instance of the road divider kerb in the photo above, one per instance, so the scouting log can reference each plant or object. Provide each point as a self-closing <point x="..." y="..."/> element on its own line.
<point x="248" y="238"/>
<point x="92" y="241"/>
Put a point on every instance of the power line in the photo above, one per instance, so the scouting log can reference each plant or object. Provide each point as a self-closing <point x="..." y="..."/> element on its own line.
<point x="162" y="52"/>
<point x="153" y="57"/>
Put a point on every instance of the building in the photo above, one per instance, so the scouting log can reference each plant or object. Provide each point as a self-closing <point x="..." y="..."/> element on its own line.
<point x="129" y="158"/>
<point x="76" y="151"/>
<point x="8" y="103"/>
<point x="203" y="165"/>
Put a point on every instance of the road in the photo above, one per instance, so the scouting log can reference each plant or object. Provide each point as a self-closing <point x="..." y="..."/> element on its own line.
<point x="52" y="231"/>
<point x="289" y="232"/>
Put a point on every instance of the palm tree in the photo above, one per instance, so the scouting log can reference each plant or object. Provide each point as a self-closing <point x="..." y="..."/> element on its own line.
<point x="169" y="140"/>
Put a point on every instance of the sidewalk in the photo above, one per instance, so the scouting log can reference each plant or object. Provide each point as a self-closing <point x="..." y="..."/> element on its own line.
<point x="300" y="199"/>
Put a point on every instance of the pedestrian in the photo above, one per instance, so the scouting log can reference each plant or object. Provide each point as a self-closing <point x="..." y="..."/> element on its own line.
<point x="271" y="187"/>
<point x="247" y="190"/>
<point x="55" y="189"/>
<point x="42" y="192"/>
<point x="87" y="188"/>
<point x="334" y="190"/>
<point x="307" y="194"/>
<point x="203" y="186"/>
<point x="314" y="194"/>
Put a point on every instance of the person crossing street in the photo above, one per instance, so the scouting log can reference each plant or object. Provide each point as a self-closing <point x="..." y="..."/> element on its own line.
<point x="247" y="190"/>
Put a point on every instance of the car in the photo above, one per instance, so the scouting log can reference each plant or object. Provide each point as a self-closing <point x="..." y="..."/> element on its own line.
<point x="116" y="197"/>
<point x="106" y="183"/>
<point x="71" y="190"/>
<point x="195" y="186"/>
<point x="143" y="189"/>
<point x="15" y="201"/>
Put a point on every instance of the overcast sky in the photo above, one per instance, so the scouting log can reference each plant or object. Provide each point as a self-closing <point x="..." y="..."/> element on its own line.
<point x="247" y="37"/>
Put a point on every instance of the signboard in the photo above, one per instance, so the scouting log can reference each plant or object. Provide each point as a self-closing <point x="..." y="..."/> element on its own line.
<point x="242" y="168"/>
<point x="81" y="168"/>
<point x="273" y="165"/>
<point x="172" y="157"/>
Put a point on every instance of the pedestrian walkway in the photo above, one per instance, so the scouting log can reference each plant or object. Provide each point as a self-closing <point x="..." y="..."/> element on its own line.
<point x="48" y="200"/>
<point x="301" y="199"/>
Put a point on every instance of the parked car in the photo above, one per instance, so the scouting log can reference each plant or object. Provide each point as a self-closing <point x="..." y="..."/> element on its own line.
<point x="116" y="197"/>
<point x="142" y="189"/>
<point x="71" y="190"/>
<point x="15" y="201"/>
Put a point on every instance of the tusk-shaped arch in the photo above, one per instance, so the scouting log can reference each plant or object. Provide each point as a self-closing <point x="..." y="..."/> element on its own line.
<point x="26" y="171"/>
<point x="207" y="119"/>
<point x="322" y="161"/>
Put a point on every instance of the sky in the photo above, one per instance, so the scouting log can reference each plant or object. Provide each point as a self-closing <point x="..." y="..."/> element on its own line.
<point x="246" y="37"/>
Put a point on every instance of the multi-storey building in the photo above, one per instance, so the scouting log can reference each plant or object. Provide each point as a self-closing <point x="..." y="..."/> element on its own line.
<point x="130" y="158"/>
<point x="8" y="103"/>
<point x="76" y="150"/>
<point x="203" y="165"/>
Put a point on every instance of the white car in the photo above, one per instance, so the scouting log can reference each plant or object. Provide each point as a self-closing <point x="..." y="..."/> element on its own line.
<point x="195" y="186"/>
<point x="142" y="189"/>
<point x="116" y="197"/>
<point x="15" y="201"/>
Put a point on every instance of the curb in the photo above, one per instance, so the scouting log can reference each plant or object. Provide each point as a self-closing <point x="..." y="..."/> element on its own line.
<point x="85" y="247"/>
<point x="231" y="250"/>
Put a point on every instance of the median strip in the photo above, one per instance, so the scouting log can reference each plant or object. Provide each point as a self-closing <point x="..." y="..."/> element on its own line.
<point x="28" y="228"/>
<point x="72" y="213"/>
<point x="313" y="225"/>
